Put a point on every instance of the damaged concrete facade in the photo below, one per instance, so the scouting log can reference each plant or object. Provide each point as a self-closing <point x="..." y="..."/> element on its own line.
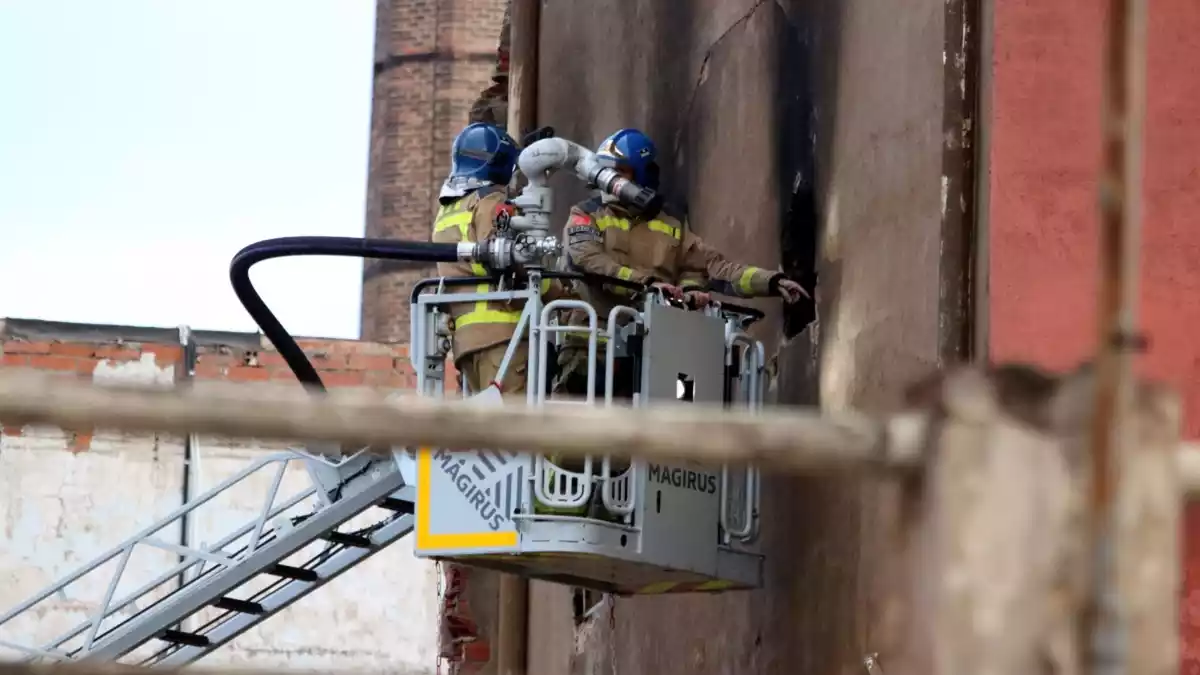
<point x="822" y="137"/>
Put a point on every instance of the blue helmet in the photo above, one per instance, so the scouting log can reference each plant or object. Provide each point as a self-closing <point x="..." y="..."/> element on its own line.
<point x="632" y="150"/>
<point x="483" y="154"/>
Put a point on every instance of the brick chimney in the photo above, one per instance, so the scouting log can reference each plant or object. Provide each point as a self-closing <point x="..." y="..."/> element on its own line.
<point x="433" y="58"/>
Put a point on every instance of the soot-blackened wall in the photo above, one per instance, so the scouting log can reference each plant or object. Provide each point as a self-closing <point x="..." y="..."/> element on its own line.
<point x="784" y="126"/>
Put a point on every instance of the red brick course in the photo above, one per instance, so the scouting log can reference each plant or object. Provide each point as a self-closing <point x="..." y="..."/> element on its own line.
<point x="340" y="363"/>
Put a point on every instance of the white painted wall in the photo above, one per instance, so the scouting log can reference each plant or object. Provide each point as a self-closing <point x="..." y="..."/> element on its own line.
<point x="60" y="510"/>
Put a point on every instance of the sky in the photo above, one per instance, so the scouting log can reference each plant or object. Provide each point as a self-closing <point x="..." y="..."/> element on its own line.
<point x="144" y="142"/>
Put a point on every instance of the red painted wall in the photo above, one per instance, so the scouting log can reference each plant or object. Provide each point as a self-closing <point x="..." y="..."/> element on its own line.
<point x="1045" y="157"/>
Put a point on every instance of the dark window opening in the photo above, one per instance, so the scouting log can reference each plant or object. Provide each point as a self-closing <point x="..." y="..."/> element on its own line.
<point x="584" y="603"/>
<point x="685" y="389"/>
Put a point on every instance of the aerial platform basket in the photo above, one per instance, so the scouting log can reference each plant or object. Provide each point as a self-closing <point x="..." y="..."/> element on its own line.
<point x="631" y="527"/>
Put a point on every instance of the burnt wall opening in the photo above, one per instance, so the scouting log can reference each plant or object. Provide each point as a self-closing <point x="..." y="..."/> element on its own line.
<point x="796" y="165"/>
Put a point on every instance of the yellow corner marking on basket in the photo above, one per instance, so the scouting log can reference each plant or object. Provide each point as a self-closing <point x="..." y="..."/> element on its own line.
<point x="429" y="540"/>
<point x="715" y="585"/>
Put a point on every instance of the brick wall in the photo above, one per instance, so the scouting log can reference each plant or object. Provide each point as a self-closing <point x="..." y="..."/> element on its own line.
<point x="67" y="497"/>
<point x="341" y="363"/>
<point x="432" y="59"/>
<point x="1044" y="252"/>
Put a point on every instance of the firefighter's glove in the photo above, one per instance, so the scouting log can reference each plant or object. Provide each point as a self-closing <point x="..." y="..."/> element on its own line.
<point x="696" y="299"/>
<point x="790" y="290"/>
<point x="668" y="290"/>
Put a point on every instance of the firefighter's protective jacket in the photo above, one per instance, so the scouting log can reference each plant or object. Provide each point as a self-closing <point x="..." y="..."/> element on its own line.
<point x="605" y="239"/>
<point x="479" y="325"/>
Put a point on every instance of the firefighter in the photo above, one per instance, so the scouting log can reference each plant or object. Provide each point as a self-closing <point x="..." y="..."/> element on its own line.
<point x="602" y="237"/>
<point x="473" y="196"/>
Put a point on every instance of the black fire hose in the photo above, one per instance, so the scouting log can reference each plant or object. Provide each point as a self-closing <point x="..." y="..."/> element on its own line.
<point x="293" y="355"/>
<point x="354" y="247"/>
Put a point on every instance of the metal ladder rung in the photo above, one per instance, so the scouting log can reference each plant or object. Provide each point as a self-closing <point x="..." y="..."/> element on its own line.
<point x="281" y="595"/>
<point x="355" y="540"/>
<point x="293" y="573"/>
<point x="181" y="638"/>
<point x="241" y="606"/>
<point x="397" y="505"/>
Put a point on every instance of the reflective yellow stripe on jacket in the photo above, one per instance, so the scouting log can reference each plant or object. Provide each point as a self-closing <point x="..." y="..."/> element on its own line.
<point x="455" y="215"/>
<point x="626" y="273"/>
<point x="605" y="222"/>
<point x="745" y="284"/>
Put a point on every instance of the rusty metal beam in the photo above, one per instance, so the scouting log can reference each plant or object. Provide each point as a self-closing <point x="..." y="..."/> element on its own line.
<point x="1123" y="116"/>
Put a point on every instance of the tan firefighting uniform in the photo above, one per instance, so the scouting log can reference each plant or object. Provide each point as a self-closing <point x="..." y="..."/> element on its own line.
<point x="482" y="330"/>
<point x="606" y="239"/>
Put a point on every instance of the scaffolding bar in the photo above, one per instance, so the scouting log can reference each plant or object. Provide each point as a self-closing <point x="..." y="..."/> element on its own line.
<point x="790" y="439"/>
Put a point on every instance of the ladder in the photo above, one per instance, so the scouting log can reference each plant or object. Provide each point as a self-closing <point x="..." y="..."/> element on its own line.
<point x="217" y="592"/>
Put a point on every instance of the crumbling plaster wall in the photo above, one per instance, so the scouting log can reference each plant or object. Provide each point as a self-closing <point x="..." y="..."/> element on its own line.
<point x="781" y="124"/>
<point x="68" y="497"/>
